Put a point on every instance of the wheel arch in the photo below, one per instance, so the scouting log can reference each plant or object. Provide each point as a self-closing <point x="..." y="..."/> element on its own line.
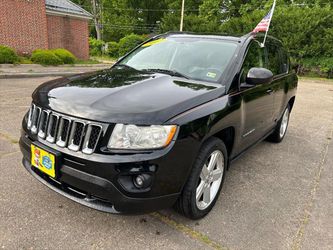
<point x="291" y="102"/>
<point x="227" y="135"/>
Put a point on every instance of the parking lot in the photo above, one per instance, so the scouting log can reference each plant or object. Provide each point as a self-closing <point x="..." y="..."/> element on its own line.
<point x="277" y="196"/>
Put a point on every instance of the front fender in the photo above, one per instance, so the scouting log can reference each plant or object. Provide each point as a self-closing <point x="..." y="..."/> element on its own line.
<point x="208" y="119"/>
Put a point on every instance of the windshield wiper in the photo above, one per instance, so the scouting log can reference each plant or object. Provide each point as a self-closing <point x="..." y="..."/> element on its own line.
<point x="169" y="72"/>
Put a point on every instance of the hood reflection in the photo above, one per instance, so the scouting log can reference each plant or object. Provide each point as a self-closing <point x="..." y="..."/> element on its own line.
<point x="124" y="94"/>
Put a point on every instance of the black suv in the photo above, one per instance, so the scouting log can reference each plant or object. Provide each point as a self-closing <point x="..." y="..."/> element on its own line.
<point x="162" y="125"/>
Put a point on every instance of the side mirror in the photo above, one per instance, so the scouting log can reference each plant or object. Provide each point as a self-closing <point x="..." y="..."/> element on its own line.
<point x="257" y="76"/>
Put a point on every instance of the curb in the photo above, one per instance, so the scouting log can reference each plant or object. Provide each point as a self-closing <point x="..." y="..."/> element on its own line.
<point x="34" y="75"/>
<point x="97" y="65"/>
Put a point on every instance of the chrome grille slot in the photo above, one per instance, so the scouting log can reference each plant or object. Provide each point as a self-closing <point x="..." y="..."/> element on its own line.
<point x="76" y="136"/>
<point x="35" y="119"/>
<point x="91" y="138"/>
<point x="31" y="110"/>
<point x="63" y="131"/>
<point x="44" y="117"/>
<point x="52" y="128"/>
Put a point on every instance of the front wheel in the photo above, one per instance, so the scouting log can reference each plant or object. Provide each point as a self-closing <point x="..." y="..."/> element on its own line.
<point x="281" y="127"/>
<point x="205" y="182"/>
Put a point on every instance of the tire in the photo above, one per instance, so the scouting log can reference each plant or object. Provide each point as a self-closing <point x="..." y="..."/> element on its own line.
<point x="188" y="204"/>
<point x="281" y="127"/>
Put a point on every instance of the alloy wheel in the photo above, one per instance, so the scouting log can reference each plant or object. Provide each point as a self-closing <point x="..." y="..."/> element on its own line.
<point x="210" y="179"/>
<point x="284" y="123"/>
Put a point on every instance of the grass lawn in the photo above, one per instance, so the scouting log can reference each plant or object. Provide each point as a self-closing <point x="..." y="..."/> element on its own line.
<point x="104" y="59"/>
<point x="89" y="61"/>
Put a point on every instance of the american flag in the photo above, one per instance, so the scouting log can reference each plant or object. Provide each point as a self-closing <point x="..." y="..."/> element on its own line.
<point x="264" y="23"/>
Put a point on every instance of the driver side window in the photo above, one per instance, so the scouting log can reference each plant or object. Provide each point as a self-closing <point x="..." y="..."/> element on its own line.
<point x="255" y="57"/>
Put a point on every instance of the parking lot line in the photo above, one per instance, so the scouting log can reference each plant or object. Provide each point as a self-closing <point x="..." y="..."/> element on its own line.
<point x="8" y="137"/>
<point x="188" y="231"/>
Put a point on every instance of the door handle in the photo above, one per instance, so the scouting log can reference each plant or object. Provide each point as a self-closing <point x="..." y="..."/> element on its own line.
<point x="269" y="91"/>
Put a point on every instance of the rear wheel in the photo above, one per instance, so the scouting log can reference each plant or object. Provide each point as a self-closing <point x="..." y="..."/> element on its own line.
<point x="281" y="127"/>
<point x="205" y="182"/>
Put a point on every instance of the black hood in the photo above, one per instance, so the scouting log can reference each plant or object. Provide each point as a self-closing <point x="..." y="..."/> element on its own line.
<point x="124" y="95"/>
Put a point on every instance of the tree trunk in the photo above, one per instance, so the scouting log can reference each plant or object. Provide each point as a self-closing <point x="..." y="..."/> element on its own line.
<point x="96" y="14"/>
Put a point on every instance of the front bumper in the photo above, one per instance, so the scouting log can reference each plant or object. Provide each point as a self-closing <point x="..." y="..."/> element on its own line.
<point x="93" y="183"/>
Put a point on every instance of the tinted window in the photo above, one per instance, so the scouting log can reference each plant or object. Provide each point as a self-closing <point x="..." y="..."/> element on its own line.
<point x="254" y="58"/>
<point x="284" y="61"/>
<point x="273" y="58"/>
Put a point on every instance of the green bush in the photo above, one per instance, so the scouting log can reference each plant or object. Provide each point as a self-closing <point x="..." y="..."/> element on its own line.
<point x="45" y="57"/>
<point x="7" y="55"/>
<point x="113" y="49"/>
<point x="129" y="42"/>
<point x="96" y="46"/>
<point x="24" y="60"/>
<point x="66" y="56"/>
<point x="322" y="66"/>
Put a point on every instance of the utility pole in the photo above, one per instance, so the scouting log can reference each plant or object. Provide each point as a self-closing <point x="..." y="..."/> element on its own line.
<point x="182" y="16"/>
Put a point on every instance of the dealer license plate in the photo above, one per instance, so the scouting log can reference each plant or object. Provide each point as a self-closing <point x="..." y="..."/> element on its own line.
<point x="43" y="160"/>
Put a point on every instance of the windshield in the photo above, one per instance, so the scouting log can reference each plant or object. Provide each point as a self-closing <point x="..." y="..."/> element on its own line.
<point x="194" y="58"/>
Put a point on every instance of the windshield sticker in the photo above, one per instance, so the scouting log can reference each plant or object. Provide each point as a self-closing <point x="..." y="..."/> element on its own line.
<point x="211" y="74"/>
<point x="154" y="42"/>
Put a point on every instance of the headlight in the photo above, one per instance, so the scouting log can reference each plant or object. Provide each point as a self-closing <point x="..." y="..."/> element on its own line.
<point x="141" y="137"/>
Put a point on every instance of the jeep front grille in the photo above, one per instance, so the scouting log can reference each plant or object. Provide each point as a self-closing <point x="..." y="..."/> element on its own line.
<point x="64" y="131"/>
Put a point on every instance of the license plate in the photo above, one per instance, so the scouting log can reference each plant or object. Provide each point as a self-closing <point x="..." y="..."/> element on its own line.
<point x="43" y="160"/>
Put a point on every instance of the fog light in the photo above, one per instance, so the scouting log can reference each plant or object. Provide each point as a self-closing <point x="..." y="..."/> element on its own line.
<point x="142" y="180"/>
<point x="139" y="181"/>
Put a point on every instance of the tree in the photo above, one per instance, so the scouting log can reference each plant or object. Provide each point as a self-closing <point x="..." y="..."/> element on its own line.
<point x="97" y="13"/>
<point x="211" y="11"/>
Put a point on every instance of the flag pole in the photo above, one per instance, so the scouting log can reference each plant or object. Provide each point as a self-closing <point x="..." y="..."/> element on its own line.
<point x="273" y="8"/>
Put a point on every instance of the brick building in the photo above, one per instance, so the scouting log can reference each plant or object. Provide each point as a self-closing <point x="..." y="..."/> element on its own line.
<point x="26" y="25"/>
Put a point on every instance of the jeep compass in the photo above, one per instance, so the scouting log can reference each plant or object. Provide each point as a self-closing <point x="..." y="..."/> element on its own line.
<point x="162" y="125"/>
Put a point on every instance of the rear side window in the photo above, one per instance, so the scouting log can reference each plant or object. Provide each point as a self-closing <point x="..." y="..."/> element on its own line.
<point x="284" y="66"/>
<point x="255" y="57"/>
<point x="273" y="58"/>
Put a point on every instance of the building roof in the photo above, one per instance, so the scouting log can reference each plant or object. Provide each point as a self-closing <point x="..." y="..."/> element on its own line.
<point x="66" y="7"/>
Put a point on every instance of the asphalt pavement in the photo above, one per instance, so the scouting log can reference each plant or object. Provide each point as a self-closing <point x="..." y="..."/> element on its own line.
<point x="277" y="196"/>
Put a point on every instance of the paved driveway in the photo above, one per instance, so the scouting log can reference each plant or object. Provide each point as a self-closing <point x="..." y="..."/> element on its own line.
<point x="277" y="196"/>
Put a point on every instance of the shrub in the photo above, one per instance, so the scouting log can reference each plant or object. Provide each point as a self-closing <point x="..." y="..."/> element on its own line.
<point x="7" y="55"/>
<point x="321" y="66"/>
<point x="96" y="46"/>
<point x="45" y="57"/>
<point x="113" y="49"/>
<point x="65" y="56"/>
<point x="24" y="60"/>
<point x="129" y="42"/>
